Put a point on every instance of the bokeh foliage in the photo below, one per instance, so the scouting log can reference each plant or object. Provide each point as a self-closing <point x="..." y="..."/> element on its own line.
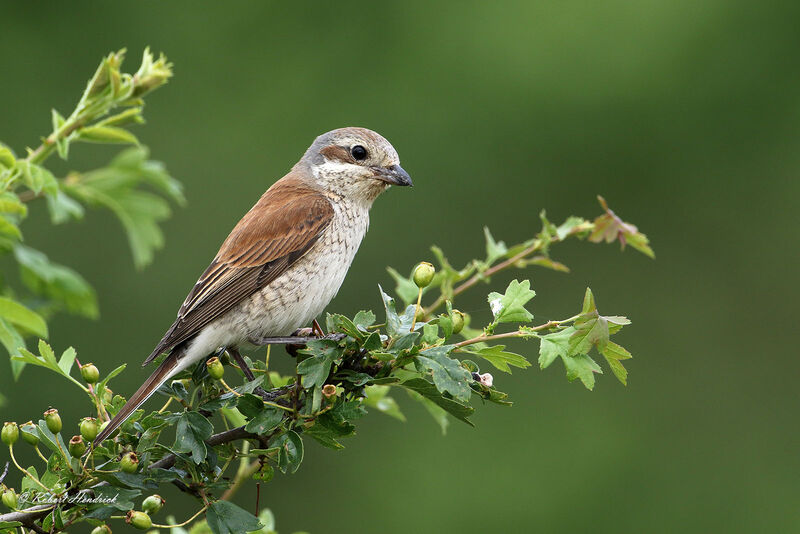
<point x="683" y="114"/>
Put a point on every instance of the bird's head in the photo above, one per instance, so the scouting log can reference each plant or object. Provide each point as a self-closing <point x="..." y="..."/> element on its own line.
<point x="354" y="162"/>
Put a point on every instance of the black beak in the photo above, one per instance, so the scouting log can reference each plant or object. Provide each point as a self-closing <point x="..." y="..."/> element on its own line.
<point x="394" y="175"/>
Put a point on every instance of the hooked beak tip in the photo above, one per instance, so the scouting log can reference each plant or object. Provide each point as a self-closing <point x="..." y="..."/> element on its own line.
<point x="396" y="175"/>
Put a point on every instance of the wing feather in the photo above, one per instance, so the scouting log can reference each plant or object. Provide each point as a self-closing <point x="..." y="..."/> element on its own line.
<point x="285" y="223"/>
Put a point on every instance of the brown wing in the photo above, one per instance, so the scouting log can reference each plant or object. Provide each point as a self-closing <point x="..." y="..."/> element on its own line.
<point x="275" y="233"/>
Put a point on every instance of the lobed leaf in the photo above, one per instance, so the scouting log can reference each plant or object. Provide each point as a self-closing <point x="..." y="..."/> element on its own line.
<point x="510" y="307"/>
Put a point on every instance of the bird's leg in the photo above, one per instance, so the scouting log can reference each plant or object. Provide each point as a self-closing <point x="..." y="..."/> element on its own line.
<point x="317" y="329"/>
<point x="242" y="364"/>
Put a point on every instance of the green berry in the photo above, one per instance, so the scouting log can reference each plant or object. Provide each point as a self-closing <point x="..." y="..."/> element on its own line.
<point x="90" y="373"/>
<point x="423" y="274"/>
<point x="215" y="368"/>
<point x="88" y="428"/>
<point x="129" y="463"/>
<point x="77" y="446"/>
<point x="139" y="520"/>
<point x="458" y="321"/>
<point x="153" y="504"/>
<point x="53" y="420"/>
<point x="29" y="435"/>
<point x="102" y="529"/>
<point x="9" y="498"/>
<point x="10" y="433"/>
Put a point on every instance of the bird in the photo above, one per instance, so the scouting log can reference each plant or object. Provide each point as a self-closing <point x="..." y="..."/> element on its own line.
<point x="285" y="259"/>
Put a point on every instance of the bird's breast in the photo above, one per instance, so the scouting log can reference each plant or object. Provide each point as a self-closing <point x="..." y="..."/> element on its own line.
<point x="304" y="290"/>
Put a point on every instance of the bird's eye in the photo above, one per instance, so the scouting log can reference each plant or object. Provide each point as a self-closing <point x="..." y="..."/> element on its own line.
<point x="359" y="152"/>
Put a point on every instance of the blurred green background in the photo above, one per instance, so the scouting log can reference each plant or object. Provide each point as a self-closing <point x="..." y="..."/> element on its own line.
<point x="685" y="115"/>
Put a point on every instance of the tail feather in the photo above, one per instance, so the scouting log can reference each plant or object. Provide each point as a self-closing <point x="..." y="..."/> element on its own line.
<point x="159" y="376"/>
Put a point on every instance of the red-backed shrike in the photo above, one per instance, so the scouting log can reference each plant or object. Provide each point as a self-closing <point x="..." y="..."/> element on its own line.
<point x="285" y="260"/>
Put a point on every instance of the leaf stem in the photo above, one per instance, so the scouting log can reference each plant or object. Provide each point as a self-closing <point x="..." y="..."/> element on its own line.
<point x="515" y="333"/>
<point x="13" y="459"/>
<point x="203" y="509"/>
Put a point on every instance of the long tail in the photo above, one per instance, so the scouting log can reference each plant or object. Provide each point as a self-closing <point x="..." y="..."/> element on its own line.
<point x="159" y="376"/>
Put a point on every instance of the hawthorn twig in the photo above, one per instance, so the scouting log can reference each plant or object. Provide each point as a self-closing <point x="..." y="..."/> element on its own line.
<point x="477" y="277"/>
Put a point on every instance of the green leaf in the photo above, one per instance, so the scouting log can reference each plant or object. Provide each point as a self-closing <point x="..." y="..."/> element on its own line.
<point x="62" y="143"/>
<point x="583" y="367"/>
<point x="37" y="178"/>
<point x="571" y="225"/>
<point x="266" y="420"/>
<point x="396" y="325"/>
<point x="133" y="162"/>
<point x="510" y="307"/>
<point x="364" y="319"/>
<point x="101" y="386"/>
<point x="190" y="435"/>
<point x="588" y="302"/>
<point x="315" y="369"/>
<point x="59" y="283"/>
<point x="290" y="455"/>
<point x="107" y="134"/>
<point x="7" y="158"/>
<point x="613" y="354"/>
<point x="428" y="391"/>
<point x="63" y="207"/>
<point x="9" y="228"/>
<point x="114" y="187"/>
<point x="553" y="346"/>
<point x="498" y="357"/>
<point x="12" y="341"/>
<point x="558" y="344"/>
<point x="18" y="315"/>
<point x="340" y="323"/>
<point x="331" y="426"/>
<point x="543" y="261"/>
<point x="224" y="517"/>
<point x="406" y="289"/>
<point x="591" y="330"/>
<point x="494" y="249"/>
<point x="448" y="374"/>
<point x="10" y="203"/>
<point x="67" y="360"/>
